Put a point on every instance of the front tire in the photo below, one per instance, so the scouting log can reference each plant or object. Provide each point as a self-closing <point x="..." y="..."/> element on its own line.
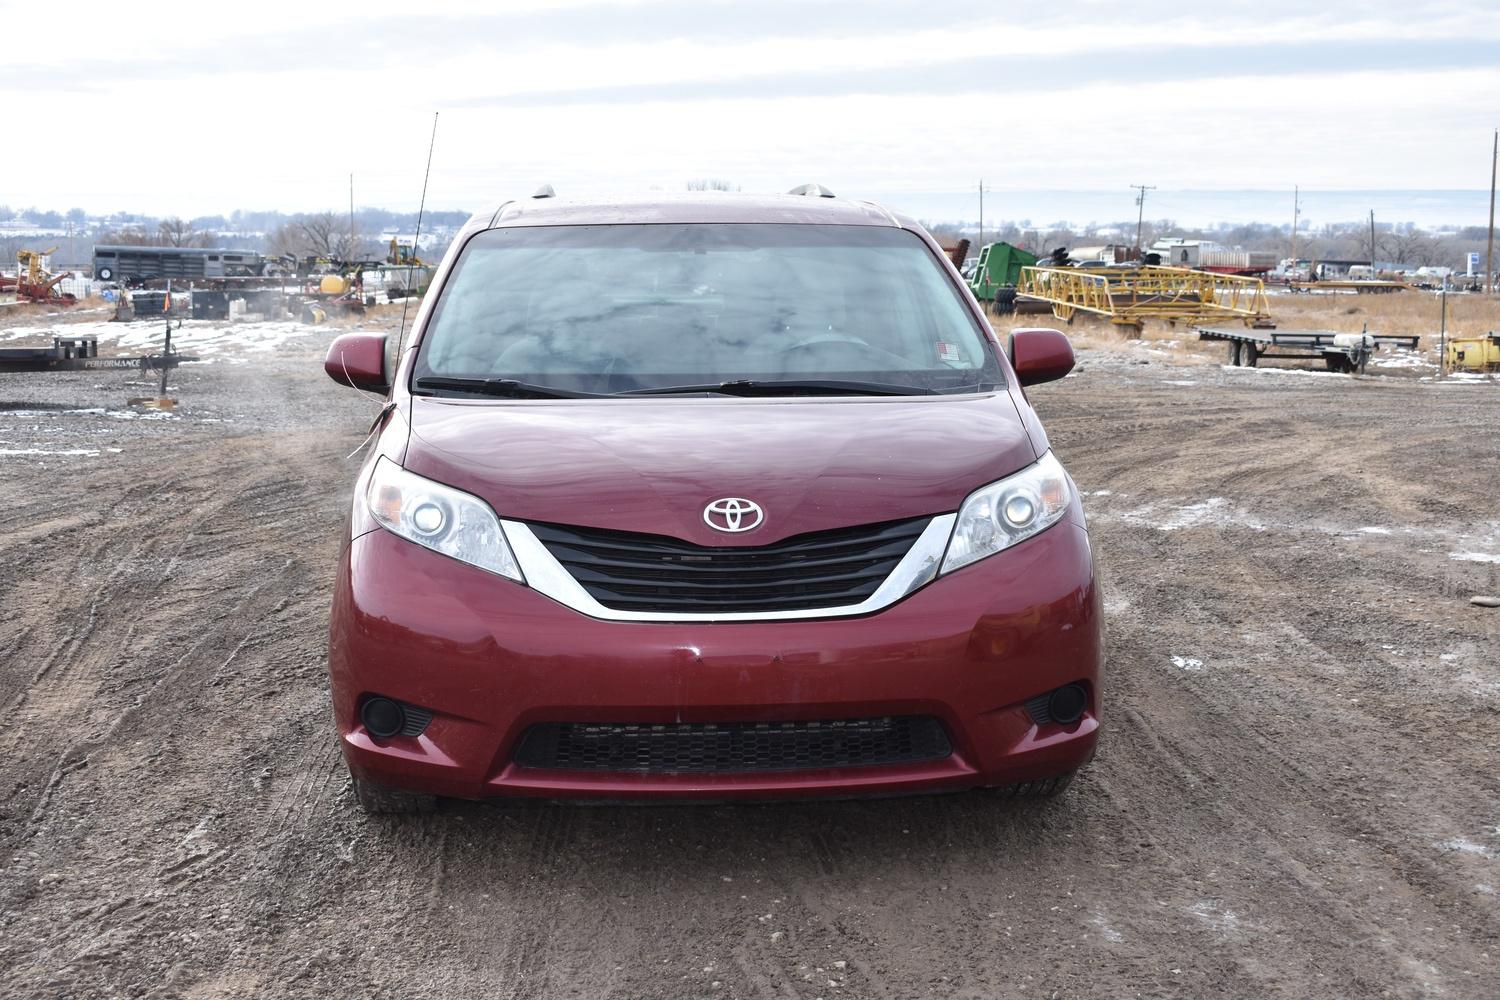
<point x="377" y="800"/>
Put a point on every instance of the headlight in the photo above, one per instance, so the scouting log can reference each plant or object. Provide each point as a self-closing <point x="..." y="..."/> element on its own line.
<point x="441" y="518"/>
<point x="1004" y="513"/>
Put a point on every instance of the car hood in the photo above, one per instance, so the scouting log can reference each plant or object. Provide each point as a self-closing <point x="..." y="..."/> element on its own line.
<point x="653" y="465"/>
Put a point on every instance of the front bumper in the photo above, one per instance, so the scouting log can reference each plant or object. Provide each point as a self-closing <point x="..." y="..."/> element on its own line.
<point x="491" y="658"/>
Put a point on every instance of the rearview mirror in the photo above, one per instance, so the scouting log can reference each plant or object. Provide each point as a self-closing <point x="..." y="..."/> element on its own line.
<point x="1040" y="355"/>
<point x="358" y="360"/>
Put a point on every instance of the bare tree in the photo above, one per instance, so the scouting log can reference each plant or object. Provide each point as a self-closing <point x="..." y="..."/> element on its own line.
<point x="324" y="234"/>
<point x="134" y="236"/>
<point x="286" y="239"/>
<point x="1407" y="246"/>
<point x="176" y="232"/>
<point x="711" y="184"/>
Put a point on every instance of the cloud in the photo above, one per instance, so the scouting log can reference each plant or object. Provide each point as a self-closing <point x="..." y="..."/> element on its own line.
<point x="1194" y="66"/>
<point x="276" y="109"/>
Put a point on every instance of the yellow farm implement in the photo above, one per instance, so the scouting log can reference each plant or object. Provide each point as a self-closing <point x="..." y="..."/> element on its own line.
<point x="1130" y="296"/>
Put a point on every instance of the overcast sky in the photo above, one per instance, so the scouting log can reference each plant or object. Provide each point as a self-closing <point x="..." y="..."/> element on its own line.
<point x="195" y="108"/>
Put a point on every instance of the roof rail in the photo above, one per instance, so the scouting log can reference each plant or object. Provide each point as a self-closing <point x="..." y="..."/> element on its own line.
<point x="812" y="191"/>
<point x="545" y="191"/>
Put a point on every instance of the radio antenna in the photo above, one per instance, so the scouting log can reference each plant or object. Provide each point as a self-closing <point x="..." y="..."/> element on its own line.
<point x="416" y="240"/>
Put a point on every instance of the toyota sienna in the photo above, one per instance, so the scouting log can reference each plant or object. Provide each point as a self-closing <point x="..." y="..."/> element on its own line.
<point x="711" y="496"/>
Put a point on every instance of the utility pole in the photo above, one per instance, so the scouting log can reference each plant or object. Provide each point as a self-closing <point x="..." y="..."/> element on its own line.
<point x="1372" y="243"/>
<point x="351" y="215"/>
<point x="1140" y="218"/>
<point x="1296" y="211"/>
<point x="1489" y="256"/>
<point x="981" y="213"/>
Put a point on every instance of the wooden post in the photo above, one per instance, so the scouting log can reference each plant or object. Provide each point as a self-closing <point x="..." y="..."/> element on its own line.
<point x="1443" y="329"/>
<point x="1140" y="218"/>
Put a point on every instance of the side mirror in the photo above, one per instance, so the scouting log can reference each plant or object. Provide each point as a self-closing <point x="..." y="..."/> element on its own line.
<point x="1039" y="355"/>
<point x="358" y="360"/>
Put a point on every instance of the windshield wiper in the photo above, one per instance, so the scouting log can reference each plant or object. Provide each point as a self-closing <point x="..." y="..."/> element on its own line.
<point x="506" y="387"/>
<point x="787" y="387"/>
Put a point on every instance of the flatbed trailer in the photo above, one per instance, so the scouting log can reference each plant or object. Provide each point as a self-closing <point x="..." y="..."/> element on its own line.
<point x="1361" y="286"/>
<point x="1341" y="352"/>
<point x="75" y="354"/>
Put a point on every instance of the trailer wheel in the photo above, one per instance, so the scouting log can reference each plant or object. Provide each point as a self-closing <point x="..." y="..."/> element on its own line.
<point x="105" y="273"/>
<point x="1252" y="354"/>
<point x="1234" y="353"/>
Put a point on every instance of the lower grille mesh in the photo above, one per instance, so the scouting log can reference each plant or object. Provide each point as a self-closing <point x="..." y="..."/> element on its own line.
<point x="736" y="747"/>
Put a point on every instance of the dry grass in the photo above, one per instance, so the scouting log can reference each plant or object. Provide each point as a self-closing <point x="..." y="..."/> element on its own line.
<point x="1403" y="313"/>
<point x="1398" y="313"/>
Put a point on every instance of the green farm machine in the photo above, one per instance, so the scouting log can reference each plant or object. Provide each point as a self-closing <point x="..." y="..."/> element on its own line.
<point x="996" y="275"/>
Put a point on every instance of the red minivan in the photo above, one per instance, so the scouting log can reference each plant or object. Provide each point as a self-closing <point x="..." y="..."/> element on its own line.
<point x="712" y="496"/>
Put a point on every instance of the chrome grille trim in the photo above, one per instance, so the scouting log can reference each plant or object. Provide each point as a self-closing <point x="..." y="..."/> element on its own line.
<point x="546" y="575"/>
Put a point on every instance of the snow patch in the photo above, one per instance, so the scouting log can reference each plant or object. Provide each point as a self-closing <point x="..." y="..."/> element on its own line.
<point x="1217" y="917"/>
<point x="1401" y="359"/>
<point x="195" y="338"/>
<point x="1195" y="514"/>
<point x="89" y="452"/>
<point x="1188" y="663"/>
<point x="1105" y="930"/>
<point x="1465" y="846"/>
<point x="1286" y="371"/>
<point x="1480" y="557"/>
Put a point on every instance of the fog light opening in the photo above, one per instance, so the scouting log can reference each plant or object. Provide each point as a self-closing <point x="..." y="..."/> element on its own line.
<point x="382" y="717"/>
<point x="1067" y="703"/>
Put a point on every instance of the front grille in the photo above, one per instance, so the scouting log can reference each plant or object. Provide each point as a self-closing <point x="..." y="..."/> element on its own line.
<point x="827" y="569"/>
<point x="731" y="748"/>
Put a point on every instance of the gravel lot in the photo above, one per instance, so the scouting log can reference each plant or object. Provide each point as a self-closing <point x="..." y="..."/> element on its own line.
<point x="1296" y="794"/>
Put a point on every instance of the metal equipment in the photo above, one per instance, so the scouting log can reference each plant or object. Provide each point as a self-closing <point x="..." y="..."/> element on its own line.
<point x="35" y="284"/>
<point x="1341" y="352"/>
<point x="1475" y="354"/>
<point x="81" y="353"/>
<point x="136" y="265"/>
<point x="995" y="277"/>
<point x="1130" y="296"/>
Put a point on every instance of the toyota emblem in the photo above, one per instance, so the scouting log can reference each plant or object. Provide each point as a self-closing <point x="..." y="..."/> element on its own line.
<point x="733" y="514"/>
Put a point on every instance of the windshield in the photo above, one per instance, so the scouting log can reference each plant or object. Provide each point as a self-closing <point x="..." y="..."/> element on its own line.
<point x="629" y="308"/>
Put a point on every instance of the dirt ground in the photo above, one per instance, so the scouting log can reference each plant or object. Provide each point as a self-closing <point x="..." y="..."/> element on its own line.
<point x="1296" y="794"/>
